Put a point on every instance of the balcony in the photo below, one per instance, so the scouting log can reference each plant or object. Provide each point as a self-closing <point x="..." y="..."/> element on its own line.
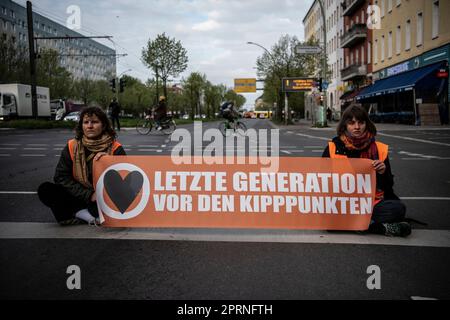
<point x="350" y="6"/>
<point x="354" y="35"/>
<point x="353" y="71"/>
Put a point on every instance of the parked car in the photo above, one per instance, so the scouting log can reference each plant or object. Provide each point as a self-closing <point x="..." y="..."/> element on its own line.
<point x="186" y="117"/>
<point x="73" y="116"/>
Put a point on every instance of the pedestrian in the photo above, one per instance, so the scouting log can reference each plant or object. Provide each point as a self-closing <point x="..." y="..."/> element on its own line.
<point x="356" y="139"/>
<point x="114" y="108"/>
<point x="72" y="197"/>
<point x="329" y="114"/>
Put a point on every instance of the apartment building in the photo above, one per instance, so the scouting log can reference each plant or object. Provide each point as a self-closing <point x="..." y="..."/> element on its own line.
<point x="313" y="25"/>
<point x="84" y="58"/>
<point x="356" y="41"/>
<point x="411" y="50"/>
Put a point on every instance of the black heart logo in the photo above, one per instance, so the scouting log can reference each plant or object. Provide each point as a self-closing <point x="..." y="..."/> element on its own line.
<point x="123" y="191"/>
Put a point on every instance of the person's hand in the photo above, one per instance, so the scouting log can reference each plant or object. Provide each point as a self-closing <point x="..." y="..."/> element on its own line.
<point x="99" y="155"/>
<point x="379" y="166"/>
<point x="93" y="197"/>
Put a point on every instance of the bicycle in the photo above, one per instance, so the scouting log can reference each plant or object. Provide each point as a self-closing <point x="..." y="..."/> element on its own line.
<point x="228" y="127"/>
<point x="145" y="126"/>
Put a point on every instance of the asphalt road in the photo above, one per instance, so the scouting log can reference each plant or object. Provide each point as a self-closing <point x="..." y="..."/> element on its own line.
<point x="224" y="264"/>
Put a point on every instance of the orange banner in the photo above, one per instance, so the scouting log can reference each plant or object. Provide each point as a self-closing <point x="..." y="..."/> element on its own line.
<point x="304" y="193"/>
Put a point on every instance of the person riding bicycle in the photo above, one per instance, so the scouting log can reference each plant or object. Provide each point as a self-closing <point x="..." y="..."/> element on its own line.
<point x="160" y="112"/>
<point x="228" y="112"/>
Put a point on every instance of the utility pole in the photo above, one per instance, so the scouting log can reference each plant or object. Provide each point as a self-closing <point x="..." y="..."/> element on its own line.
<point x="324" y="64"/>
<point x="34" y="104"/>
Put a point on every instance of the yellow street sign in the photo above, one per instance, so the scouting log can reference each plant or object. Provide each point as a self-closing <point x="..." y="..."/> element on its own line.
<point x="245" y="85"/>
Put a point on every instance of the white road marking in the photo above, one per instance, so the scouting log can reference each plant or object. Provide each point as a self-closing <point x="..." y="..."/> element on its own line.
<point x="147" y="146"/>
<point x="18" y="192"/>
<point x="414" y="159"/>
<point x="7" y="148"/>
<point x="414" y="139"/>
<point x="36" y="144"/>
<point x="159" y="150"/>
<point x="34" y="148"/>
<point x="426" y="198"/>
<point x="313" y="137"/>
<point x="32" y="155"/>
<point x="312" y="147"/>
<point x="5" y="155"/>
<point x="285" y="151"/>
<point x="317" y="151"/>
<point x="9" y="144"/>
<point x="146" y="150"/>
<point x="36" y="230"/>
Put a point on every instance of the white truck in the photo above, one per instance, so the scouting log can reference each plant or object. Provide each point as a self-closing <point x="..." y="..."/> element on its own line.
<point x="15" y="101"/>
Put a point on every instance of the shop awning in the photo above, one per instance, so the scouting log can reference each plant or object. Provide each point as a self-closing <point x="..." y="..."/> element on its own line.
<point x="349" y="96"/>
<point x="399" y="83"/>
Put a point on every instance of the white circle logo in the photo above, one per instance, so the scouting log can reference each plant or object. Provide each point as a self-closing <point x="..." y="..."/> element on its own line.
<point x="127" y="214"/>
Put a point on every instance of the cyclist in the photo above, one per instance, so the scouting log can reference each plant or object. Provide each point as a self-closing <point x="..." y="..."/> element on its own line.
<point x="228" y="112"/>
<point x="160" y="112"/>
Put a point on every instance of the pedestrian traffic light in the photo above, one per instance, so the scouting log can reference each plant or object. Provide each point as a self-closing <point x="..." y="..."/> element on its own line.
<point x="122" y="84"/>
<point x="112" y="84"/>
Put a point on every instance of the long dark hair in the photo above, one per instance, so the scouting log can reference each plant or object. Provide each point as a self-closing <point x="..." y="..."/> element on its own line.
<point x="101" y="115"/>
<point x="360" y="114"/>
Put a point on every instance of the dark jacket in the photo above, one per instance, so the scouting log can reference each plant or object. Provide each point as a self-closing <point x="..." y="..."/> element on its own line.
<point x="64" y="175"/>
<point x="385" y="181"/>
<point x="115" y="109"/>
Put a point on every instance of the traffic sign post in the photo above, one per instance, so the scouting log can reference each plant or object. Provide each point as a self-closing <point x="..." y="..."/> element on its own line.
<point x="309" y="50"/>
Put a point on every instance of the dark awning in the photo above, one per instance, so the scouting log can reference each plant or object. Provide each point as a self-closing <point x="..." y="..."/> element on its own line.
<point x="403" y="82"/>
<point x="349" y="96"/>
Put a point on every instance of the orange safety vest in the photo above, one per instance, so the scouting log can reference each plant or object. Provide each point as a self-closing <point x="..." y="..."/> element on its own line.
<point x="72" y="142"/>
<point x="383" y="150"/>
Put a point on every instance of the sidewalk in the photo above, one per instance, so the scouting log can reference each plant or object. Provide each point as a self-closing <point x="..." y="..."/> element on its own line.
<point x="303" y="124"/>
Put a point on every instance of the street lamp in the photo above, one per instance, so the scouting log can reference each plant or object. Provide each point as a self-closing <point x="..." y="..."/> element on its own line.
<point x="276" y="73"/>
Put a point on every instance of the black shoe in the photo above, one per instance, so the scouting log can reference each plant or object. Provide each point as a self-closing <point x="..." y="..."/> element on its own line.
<point x="71" y="222"/>
<point x="397" y="229"/>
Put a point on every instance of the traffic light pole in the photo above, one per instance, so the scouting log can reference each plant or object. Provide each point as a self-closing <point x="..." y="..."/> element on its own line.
<point x="324" y="66"/>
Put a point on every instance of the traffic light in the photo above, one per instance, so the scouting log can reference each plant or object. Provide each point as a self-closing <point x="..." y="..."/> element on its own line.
<point x="112" y="84"/>
<point x="122" y="84"/>
<point x="320" y="85"/>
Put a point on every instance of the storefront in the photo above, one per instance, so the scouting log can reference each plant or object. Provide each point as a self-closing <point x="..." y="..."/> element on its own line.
<point x="415" y="91"/>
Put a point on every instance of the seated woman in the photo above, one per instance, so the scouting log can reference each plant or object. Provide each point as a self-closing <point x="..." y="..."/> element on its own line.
<point x="356" y="139"/>
<point x="72" y="197"/>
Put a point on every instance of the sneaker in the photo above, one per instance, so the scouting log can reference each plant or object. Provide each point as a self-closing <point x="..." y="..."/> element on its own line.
<point x="72" y="222"/>
<point x="159" y="128"/>
<point x="397" y="229"/>
<point x="95" y="222"/>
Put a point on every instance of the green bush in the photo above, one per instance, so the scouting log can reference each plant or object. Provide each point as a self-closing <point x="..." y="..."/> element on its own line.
<point x="37" y="124"/>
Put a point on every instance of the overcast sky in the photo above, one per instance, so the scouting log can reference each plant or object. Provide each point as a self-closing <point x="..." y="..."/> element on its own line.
<point x="214" y="32"/>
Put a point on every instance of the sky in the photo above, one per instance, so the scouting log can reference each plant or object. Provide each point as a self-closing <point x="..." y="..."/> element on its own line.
<point x="214" y="32"/>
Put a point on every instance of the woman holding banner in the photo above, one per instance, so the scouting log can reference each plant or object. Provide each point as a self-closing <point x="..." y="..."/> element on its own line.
<point x="72" y="197"/>
<point x="356" y="139"/>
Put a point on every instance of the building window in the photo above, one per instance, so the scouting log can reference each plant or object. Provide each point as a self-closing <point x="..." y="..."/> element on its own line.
<point x="362" y="55"/>
<point x="382" y="7"/>
<point x="389" y="6"/>
<point x="375" y="52"/>
<point x="398" y="40"/>
<point x="435" y="21"/>
<point x="399" y="2"/>
<point x="419" y="39"/>
<point x="382" y="48"/>
<point x="390" y="45"/>
<point x="369" y="53"/>
<point x="4" y="10"/>
<point x="408" y="35"/>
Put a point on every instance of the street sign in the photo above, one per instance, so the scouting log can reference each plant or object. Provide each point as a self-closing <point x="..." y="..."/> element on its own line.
<point x="298" y="84"/>
<point x="245" y="85"/>
<point x="309" y="50"/>
<point x="325" y="85"/>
